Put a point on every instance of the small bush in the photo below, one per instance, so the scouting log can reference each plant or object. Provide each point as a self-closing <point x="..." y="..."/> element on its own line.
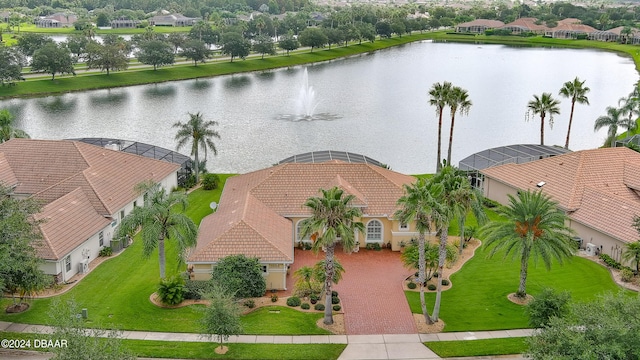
<point x="294" y="301"/>
<point x="435" y="275"/>
<point x="547" y="305"/>
<point x="337" y="307"/>
<point x="431" y="287"/>
<point x="412" y="285"/>
<point x="626" y="275"/>
<point x="274" y="298"/>
<point x="171" y="290"/>
<point x="195" y="288"/>
<point x="373" y="246"/>
<point x="610" y="262"/>
<point x="106" y="251"/>
<point x="334" y="293"/>
<point x="335" y="300"/>
<point x="249" y="303"/>
<point x="319" y="307"/>
<point x="490" y="203"/>
<point x="445" y="282"/>
<point x="305" y="306"/>
<point x="314" y="297"/>
<point x="210" y="181"/>
<point x="190" y="182"/>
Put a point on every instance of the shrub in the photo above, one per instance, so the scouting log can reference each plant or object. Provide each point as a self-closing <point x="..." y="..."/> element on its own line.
<point x="610" y="262"/>
<point x="274" y="298"/>
<point x="249" y="303"/>
<point x="337" y="307"/>
<point x="241" y="276"/>
<point x="194" y="289"/>
<point x="305" y="306"/>
<point x="435" y="275"/>
<point x="412" y="285"/>
<point x="431" y="287"/>
<point x="626" y="275"/>
<point x="335" y="300"/>
<point x="373" y="246"/>
<point x="171" y="290"/>
<point x="547" y="305"/>
<point x="294" y="301"/>
<point x="314" y="297"/>
<point x="334" y="293"/>
<point x="489" y="203"/>
<point x="210" y="181"/>
<point x="445" y="282"/>
<point x="106" y="251"/>
<point x="190" y="181"/>
<point x="319" y="307"/>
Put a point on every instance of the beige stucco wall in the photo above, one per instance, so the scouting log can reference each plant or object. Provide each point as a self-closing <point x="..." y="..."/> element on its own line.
<point x="610" y="246"/>
<point x="275" y="276"/>
<point x="498" y="191"/>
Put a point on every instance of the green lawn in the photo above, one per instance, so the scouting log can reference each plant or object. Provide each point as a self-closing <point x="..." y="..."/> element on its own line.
<point x="484" y="347"/>
<point x="478" y="298"/>
<point x="204" y="350"/>
<point x="282" y="320"/>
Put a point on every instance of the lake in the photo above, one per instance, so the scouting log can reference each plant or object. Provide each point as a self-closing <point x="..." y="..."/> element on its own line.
<point x="374" y="104"/>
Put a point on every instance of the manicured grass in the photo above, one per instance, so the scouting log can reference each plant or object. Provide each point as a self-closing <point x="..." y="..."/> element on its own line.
<point x="282" y="320"/>
<point x="484" y="347"/>
<point x="199" y="200"/>
<point x="478" y="298"/>
<point x="205" y="350"/>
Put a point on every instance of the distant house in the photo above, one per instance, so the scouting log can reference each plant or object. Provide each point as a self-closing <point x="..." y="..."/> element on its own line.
<point x="57" y="20"/>
<point x="598" y="189"/>
<point x="260" y="213"/>
<point x="525" y="25"/>
<point x="124" y="24"/>
<point x="569" y="28"/>
<point x="4" y="16"/>
<point x="85" y="191"/>
<point x="172" y="20"/>
<point x="478" y="26"/>
<point x="616" y="34"/>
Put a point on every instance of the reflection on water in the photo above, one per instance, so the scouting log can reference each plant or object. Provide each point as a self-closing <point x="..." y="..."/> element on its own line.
<point x="314" y="117"/>
<point x="160" y="90"/>
<point x="199" y="84"/>
<point x="58" y="104"/>
<point x="237" y="82"/>
<point x="109" y="99"/>
<point x="266" y="75"/>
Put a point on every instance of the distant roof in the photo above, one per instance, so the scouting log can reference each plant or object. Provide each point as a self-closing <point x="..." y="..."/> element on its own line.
<point x="517" y="154"/>
<point x="323" y="156"/>
<point x="138" y="148"/>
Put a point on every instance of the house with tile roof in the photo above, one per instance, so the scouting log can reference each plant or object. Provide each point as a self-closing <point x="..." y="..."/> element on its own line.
<point x="598" y="189"/>
<point x="56" y="20"/>
<point x="260" y="213"/>
<point x="85" y="191"/>
<point x="478" y="26"/>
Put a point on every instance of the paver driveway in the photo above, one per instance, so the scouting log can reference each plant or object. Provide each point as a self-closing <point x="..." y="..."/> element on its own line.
<point x="370" y="291"/>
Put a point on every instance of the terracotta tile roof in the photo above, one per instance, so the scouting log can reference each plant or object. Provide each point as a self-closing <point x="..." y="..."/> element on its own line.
<point x="68" y="222"/>
<point x="251" y="218"/>
<point x="527" y="23"/>
<point x="7" y="176"/>
<point x="586" y="184"/>
<point x="482" y="22"/>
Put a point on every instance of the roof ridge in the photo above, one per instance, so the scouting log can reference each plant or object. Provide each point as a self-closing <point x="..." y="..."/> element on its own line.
<point x="76" y="143"/>
<point x="577" y="175"/>
<point x="243" y="220"/>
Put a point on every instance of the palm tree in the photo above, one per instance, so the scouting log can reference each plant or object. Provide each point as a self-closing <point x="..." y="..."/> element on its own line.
<point x="439" y="95"/>
<point x="201" y="135"/>
<point x="534" y="226"/>
<point x="305" y="274"/>
<point x="576" y="91"/>
<point x="544" y="105"/>
<point x="160" y="219"/>
<point x="417" y="205"/>
<point x="458" y="101"/>
<point x="632" y="254"/>
<point x="332" y="218"/>
<point x="7" y="131"/>
<point x="630" y="105"/>
<point x="613" y="120"/>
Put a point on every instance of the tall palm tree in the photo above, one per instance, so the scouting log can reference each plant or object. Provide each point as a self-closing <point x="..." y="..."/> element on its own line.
<point x="458" y="102"/>
<point x="160" y="219"/>
<point x="201" y="135"/>
<point x="576" y="91"/>
<point x="417" y="205"/>
<point x="7" y="131"/>
<point x="544" y="105"/>
<point x="632" y="254"/>
<point x="533" y="226"/>
<point x="613" y="120"/>
<point x="439" y="95"/>
<point x="332" y="218"/>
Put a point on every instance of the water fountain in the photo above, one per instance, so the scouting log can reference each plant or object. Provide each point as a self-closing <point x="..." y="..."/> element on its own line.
<point x="306" y="102"/>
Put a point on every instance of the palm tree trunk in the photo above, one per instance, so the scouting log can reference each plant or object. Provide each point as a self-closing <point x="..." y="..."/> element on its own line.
<point x="196" y="166"/>
<point x="524" y="266"/>
<point x="542" y="128"/>
<point x="422" y="278"/>
<point x="566" y="144"/>
<point x="161" y="257"/>
<point x="442" y="256"/>
<point x="439" y="140"/>
<point x="329" y="272"/>
<point x="453" y="120"/>
<point x="462" y="239"/>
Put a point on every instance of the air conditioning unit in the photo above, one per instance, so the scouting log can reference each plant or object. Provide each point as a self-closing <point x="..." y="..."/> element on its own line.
<point x="591" y="249"/>
<point x="83" y="266"/>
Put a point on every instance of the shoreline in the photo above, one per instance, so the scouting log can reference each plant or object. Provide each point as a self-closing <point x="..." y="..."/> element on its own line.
<point x="219" y="66"/>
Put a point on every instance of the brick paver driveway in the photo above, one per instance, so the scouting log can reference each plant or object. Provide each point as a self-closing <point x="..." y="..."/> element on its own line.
<point x="370" y="291"/>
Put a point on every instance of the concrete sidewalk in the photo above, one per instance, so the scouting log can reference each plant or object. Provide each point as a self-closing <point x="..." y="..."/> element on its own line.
<point x="359" y="347"/>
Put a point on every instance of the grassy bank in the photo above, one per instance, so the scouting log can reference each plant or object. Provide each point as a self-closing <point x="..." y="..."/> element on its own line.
<point x="44" y="86"/>
<point x="484" y="347"/>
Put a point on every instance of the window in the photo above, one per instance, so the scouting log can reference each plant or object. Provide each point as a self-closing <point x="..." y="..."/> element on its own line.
<point x="374" y="231"/>
<point x="264" y="269"/>
<point x="121" y="215"/>
<point x="67" y="263"/>
<point x="404" y="226"/>
<point x="299" y="231"/>
<point x="101" y="237"/>
<point x="135" y="204"/>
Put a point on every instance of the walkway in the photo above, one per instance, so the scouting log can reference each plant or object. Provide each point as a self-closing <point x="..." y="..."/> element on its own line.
<point x="371" y="291"/>
<point x="359" y="347"/>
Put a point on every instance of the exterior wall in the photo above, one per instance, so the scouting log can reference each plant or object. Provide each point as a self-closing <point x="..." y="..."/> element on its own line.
<point x="50" y="267"/>
<point x="609" y="245"/>
<point x="275" y="276"/>
<point x="90" y="250"/>
<point x="201" y="271"/>
<point x="168" y="183"/>
<point x="498" y="191"/>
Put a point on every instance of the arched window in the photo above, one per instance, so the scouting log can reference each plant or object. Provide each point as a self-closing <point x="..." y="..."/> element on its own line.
<point x="374" y="231"/>
<point x="299" y="232"/>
